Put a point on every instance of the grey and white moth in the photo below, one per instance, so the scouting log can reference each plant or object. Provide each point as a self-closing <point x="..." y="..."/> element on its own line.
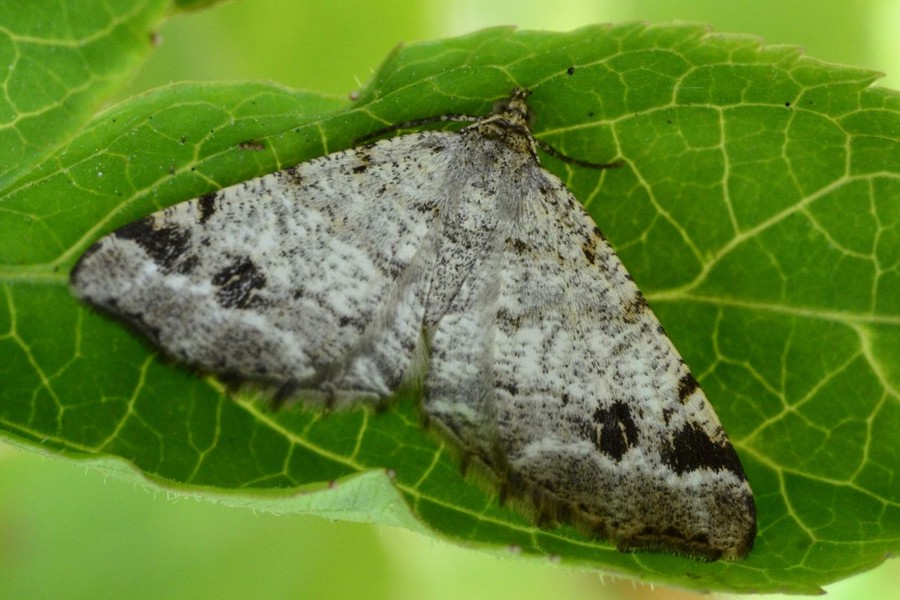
<point x="454" y="258"/>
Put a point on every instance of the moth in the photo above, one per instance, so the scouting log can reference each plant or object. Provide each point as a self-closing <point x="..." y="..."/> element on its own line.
<point x="453" y="258"/>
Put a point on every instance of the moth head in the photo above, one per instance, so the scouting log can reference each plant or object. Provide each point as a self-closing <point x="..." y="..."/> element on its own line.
<point x="514" y="109"/>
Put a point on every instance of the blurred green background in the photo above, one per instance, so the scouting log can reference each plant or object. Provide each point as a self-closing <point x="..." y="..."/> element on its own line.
<point x="335" y="45"/>
<point x="69" y="531"/>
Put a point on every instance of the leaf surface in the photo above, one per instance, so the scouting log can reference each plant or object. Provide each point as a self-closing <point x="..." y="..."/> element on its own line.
<point x="758" y="208"/>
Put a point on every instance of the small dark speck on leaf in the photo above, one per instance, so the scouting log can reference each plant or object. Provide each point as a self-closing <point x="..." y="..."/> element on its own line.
<point x="787" y="103"/>
<point x="570" y="71"/>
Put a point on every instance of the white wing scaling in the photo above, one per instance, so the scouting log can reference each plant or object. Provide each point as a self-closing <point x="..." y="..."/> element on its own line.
<point x="312" y="278"/>
<point x="546" y="366"/>
<point x="549" y="367"/>
<point x="600" y="420"/>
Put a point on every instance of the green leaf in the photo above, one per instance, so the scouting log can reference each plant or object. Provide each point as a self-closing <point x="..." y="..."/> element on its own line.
<point x="60" y="64"/>
<point x="758" y="208"/>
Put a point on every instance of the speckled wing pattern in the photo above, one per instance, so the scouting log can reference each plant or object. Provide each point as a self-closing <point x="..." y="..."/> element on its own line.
<point x="455" y="259"/>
